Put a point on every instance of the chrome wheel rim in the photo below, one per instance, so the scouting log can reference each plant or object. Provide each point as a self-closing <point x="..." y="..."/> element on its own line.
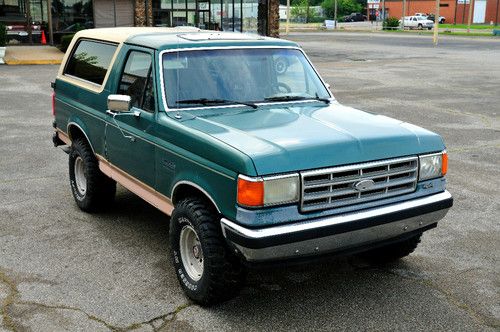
<point x="191" y="253"/>
<point x="80" y="179"/>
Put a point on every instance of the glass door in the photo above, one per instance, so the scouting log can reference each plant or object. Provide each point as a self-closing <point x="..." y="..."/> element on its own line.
<point x="204" y="20"/>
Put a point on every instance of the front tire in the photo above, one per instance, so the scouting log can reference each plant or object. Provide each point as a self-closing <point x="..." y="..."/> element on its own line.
<point x="392" y="252"/>
<point x="91" y="189"/>
<point x="207" y="271"/>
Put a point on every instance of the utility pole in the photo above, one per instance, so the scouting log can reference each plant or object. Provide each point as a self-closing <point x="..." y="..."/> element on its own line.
<point x="436" y="24"/>
<point x="471" y="6"/>
<point x="335" y="15"/>
<point x="403" y="18"/>
<point x="287" y="17"/>
<point x="383" y="10"/>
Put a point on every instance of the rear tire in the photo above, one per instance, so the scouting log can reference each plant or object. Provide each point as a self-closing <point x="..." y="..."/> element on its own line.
<point x="392" y="252"/>
<point x="206" y="269"/>
<point x="91" y="189"/>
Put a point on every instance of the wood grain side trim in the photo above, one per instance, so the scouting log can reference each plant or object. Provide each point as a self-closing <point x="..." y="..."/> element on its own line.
<point x="63" y="137"/>
<point x="158" y="200"/>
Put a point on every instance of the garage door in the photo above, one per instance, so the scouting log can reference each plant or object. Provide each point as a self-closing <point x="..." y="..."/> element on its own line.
<point x="111" y="13"/>
<point x="479" y="11"/>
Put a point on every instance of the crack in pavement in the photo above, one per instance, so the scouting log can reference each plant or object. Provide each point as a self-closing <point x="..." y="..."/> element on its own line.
<point x="108" y="325"/>
<point x="451" y="299"/>
<point x="9" y="300"/>
<point x="13" y="293"/>
<point x="171" y="319"/>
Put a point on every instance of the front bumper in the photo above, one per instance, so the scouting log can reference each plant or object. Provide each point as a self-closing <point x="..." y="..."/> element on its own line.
<point x="337" y="233"/>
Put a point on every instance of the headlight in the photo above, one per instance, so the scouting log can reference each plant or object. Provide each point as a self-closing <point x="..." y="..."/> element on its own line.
<point x="273" y="190"/>
<point x="433" y="165"/>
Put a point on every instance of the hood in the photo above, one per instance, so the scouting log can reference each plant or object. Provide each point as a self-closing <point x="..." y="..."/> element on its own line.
<point x="284" y="138"/>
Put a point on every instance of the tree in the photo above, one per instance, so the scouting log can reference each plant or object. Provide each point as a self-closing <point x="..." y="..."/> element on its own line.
<point x="311" y="2"/>
<point x="345" y="7"/>
<point x="301" y="9"/>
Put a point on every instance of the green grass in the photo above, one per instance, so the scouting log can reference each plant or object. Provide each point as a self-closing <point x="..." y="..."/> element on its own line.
<point x="458" y="33"/>
<point x="464" y="33"/>
<point x="473" y="26"/>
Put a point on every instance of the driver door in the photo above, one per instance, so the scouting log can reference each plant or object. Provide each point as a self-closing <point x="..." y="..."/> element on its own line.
<point x="128" y="137"/>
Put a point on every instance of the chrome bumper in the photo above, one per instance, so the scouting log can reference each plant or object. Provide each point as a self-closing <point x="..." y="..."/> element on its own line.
<point x="339" y="232"/>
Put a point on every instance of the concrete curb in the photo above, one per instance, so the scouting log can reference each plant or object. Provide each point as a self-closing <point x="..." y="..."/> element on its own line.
<point x="16" y="62"/>
<point x="33" y="55"/>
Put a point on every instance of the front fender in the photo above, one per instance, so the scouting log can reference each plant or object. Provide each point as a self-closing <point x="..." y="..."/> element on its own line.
<point x="219" y="189"/>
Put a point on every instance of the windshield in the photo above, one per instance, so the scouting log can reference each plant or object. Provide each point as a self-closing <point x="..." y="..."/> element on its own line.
<point x="232" y="76"/>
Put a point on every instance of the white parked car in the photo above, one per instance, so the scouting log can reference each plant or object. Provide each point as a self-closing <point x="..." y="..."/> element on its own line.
<point x="442" y="19"/>
<point x="417" y="22"/>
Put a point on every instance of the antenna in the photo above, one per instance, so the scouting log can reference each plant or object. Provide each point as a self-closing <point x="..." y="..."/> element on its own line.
<point x="178" y="113"/>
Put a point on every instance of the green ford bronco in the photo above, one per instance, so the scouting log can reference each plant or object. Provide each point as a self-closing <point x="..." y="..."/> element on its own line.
<point x="239" y="140"/>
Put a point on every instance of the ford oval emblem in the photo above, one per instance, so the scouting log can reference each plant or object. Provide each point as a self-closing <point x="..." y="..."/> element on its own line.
<point x="364" y="185"/>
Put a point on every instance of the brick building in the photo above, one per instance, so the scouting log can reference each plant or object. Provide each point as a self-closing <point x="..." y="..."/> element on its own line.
<point x="455" y="11"/>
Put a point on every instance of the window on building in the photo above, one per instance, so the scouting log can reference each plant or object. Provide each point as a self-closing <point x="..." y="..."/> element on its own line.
<point x="250" y="10"/>
<point x="227" y="15"/>
<point x="137" y="81"/>
<point x="90" y="61"/>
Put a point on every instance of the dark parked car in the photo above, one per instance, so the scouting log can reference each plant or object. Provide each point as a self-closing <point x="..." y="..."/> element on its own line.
<point x="355" y="17"/>
<point x="19" y="32"/>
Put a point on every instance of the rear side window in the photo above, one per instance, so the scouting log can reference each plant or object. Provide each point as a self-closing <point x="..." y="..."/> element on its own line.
<point x="90" y="61"/>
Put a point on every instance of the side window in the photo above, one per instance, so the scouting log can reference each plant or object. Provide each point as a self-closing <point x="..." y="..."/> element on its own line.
<point x="90" y="61"/>
<point x="137" y="81"/>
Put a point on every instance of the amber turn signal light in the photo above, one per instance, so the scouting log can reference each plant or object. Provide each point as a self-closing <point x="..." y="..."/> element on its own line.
<point x="444" y="166"/>
<point x="250" y="193"/>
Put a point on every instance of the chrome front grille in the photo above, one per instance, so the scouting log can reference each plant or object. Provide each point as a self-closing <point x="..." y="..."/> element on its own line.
<point x="335" y="187"/>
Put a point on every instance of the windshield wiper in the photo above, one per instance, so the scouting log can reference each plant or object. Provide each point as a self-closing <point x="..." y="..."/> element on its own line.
<point x="293" y="97"/>
<point x="206" y="101"/>
<point x="325" y="100"/>
<point x="285" y="98"/>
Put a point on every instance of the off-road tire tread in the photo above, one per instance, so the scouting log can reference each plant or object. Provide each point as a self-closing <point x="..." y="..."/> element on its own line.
<point x="101" y="189"/>
<point x="223" y="271"/>
<point x="392" y="252"/>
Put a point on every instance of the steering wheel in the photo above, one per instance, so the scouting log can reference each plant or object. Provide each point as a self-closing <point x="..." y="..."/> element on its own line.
<point x="283" y="87"/>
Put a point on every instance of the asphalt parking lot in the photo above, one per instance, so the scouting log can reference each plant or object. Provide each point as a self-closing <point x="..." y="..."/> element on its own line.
<point x="62" y="269"/>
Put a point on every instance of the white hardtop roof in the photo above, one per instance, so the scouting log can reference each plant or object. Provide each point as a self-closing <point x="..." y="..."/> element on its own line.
<point x="119" y="35"/>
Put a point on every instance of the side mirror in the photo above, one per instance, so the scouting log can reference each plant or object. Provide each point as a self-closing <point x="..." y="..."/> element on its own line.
<point x="119" y="103"/>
